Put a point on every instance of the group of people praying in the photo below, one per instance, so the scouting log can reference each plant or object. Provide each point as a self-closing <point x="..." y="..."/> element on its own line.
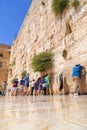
<point x="42" y="85"/>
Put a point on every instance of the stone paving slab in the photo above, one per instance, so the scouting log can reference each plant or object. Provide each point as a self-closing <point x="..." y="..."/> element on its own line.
<point x="43" y="113"/>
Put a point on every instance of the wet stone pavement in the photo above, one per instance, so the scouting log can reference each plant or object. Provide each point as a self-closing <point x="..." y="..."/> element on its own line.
<point x="43" y="113"/>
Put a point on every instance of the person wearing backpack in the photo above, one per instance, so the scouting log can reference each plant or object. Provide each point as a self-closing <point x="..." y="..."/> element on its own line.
<point x="22" y="85"/>
<point x="15" y="87"/>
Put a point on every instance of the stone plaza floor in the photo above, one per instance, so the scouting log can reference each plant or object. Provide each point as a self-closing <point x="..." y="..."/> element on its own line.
<point x="43" y="113"/>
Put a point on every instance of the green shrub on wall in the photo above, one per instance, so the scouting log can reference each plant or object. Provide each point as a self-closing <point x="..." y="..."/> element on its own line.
<point x="13" y="62"/>
<point x="64" y="53"/>
<point x="42" y="61"/>
<point x="23" y="74"/>
<point x="12" y="81"/>
<point x="58" y="6"/>
<point x="75" y="3"/>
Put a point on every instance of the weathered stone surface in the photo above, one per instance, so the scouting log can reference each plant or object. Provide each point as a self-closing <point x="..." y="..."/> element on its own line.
<point x="4" y="50"/>
<point x="42" y="31"/>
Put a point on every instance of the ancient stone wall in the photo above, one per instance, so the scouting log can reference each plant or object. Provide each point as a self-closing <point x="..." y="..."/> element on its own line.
<point x="4" y="62"/>
<point x="43" y="31"/>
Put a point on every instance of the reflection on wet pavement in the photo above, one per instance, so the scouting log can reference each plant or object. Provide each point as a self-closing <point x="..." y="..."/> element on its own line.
<point x="43" y="113"/>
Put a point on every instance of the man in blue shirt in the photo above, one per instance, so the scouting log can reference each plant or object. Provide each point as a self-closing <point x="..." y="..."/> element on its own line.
<point x="22" y="85"/>
<point x="27" y="83"/>
<point x="77" y="73"/>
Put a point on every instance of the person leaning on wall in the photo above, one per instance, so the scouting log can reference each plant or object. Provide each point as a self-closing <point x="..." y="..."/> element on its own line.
<point x="78" y="72"/>
<point x="60" y="82"/>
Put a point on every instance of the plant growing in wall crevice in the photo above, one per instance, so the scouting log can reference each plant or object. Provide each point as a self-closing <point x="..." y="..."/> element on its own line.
<point x="59" y="6"/>
<point x="42" y="61"/>
<point x="75" y="3"/>
<point x="64" y="53"/>
<point x="12" y="81"/>
<point x="10" y="71"/>
<point x="23" y="74"/>
<point x="14" y="62"/>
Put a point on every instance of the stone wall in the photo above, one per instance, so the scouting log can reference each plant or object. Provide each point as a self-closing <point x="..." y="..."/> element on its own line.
<point x="4" y="60"/>
<point x="43" y="31"/>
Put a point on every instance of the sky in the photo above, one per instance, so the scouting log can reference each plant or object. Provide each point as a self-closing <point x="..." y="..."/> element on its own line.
<point x="12" y="14"/>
